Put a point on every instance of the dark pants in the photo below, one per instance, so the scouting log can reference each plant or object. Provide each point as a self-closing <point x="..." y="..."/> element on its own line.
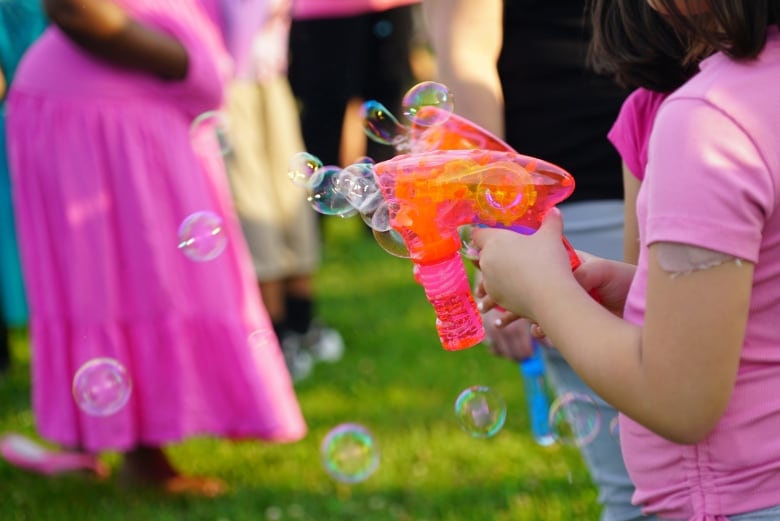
<point x="333" y="60"/>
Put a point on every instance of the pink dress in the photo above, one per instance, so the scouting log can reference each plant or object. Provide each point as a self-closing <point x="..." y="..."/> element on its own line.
<point x="103" y="173"/>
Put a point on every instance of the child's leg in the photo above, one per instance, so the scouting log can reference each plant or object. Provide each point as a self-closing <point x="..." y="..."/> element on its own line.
<point x="150" y="466"/>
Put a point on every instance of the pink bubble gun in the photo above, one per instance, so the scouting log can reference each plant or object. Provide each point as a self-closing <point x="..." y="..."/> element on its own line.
<point x="451" y="132"/>
<point x="431" y="194"/>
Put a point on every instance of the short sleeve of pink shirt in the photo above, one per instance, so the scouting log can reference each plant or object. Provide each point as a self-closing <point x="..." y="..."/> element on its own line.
<point x="717" y="197"/>
<point x="631" y="130"/>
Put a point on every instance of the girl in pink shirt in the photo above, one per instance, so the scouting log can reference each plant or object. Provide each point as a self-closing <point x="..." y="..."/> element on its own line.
<point x="684" y="344"/>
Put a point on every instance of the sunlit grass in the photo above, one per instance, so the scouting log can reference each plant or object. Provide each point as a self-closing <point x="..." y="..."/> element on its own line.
<point x="395" y="379"/>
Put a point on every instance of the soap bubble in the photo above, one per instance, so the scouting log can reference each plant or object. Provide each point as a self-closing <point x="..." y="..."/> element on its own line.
<point x="101" y="387"/>
<point x="381" y="125"/>
<point x="392" y="242"/>
<point x="428" y="103"/>
<point x="324" y="193"/>
<point x="303" y="168"/>
<point x="481" y="411"/>
<point x="349" y="453"/>
<point x="575" y="419"/>
<point x="211" y="123"/>
<point x="614" y="427"/>
<point x="202" y="237"/>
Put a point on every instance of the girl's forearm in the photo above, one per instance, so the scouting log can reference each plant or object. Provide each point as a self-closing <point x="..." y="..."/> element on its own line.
<point x="606" y="351"/>
<point x="106" y="31"/>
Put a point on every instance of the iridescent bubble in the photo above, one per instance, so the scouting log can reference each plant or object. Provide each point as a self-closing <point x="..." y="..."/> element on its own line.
<point x="101" y="387"/>
<point x="380" y="125"/>
<point x="202" y="236"/>
<point x="614" y="427"/>
<point x="575" y="419"/>
<point x="349" y="453"/>
<point x="367" y="160"/>
<point x="325" y="196"/>
<point x="428" y="103"/>
<point x="211" y="124"/>
<point x="356" y="182"/>
<point x="380" y="218"/>
<point x="468" y="250"/>
<point x="481" y="411"/>
<point x="302" y="169"/>
<point x="392" y="242"/>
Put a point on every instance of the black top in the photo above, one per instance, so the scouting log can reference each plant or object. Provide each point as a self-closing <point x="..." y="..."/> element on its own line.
<point x="556" y="109"/>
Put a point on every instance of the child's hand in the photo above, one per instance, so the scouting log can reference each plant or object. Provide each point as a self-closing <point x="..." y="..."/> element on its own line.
<point x="518" y="270"/>
<point x="608" y="279"/>
<point x="506" y="334"/>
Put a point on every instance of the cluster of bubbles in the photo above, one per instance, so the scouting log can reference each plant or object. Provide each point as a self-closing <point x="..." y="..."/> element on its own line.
<point x="353" y="190"/>
<point x="383" y="127"/>
<point x="574" y="418"/>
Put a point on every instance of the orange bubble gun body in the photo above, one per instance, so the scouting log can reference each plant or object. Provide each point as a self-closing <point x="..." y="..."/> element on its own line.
<point x="431" y="194"/>
<point x="458" y="133"/>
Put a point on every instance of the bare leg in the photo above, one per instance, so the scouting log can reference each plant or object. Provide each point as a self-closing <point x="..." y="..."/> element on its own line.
<point x="273" y="298"/>
<point x="149" y="466"/>
<point x="299" y="286"/>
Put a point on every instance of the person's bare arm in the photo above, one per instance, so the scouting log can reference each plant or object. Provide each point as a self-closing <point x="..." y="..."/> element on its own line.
<point x="104" y="29"/>
<point x="674" y="375"/>
<point x="3" y="85"/>
<point x="466" y="36"/>
<point x="631" y="186"/>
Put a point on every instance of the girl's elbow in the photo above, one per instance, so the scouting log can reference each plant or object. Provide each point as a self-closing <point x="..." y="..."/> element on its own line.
<point x="690" y="429"/>
<point x="688" y="435"/>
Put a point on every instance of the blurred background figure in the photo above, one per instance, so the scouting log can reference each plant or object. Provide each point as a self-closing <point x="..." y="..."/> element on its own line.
<point x="109" y="176"/>
<point x="21" y="22"/>
<point x="519" y="69"/>
<point x="278" y="223"/>
<point x="342" y="53"/>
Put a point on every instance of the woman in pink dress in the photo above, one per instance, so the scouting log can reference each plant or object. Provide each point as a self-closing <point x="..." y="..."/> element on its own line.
<point x="104" y="172"/>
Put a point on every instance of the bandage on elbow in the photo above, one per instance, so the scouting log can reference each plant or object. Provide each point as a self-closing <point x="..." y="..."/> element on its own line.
<point x="680" y="259"/>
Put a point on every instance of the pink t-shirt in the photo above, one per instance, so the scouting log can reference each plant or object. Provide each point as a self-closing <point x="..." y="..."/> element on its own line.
<point x="713" y="181"/>
<point x="631" y="132"/>
<point x="307" y="9"/>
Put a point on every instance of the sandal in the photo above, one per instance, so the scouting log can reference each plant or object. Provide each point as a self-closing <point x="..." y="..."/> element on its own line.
<point x="25" y="453"/>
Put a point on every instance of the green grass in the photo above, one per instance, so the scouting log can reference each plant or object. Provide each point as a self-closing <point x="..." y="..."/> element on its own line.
<point x="395" y="379"/>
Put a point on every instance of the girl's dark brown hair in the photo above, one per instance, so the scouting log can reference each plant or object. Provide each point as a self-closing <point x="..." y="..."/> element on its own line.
<point x="643" y="48"/>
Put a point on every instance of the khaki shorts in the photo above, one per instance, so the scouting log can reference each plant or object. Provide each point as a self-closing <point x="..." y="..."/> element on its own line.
<point x="279" y="224"/>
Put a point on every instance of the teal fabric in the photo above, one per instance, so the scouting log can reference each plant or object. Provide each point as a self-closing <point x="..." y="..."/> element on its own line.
<point x="21" y="22"/>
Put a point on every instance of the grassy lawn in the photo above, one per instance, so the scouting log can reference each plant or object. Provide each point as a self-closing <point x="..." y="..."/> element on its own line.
<point x="395" y="379"/>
